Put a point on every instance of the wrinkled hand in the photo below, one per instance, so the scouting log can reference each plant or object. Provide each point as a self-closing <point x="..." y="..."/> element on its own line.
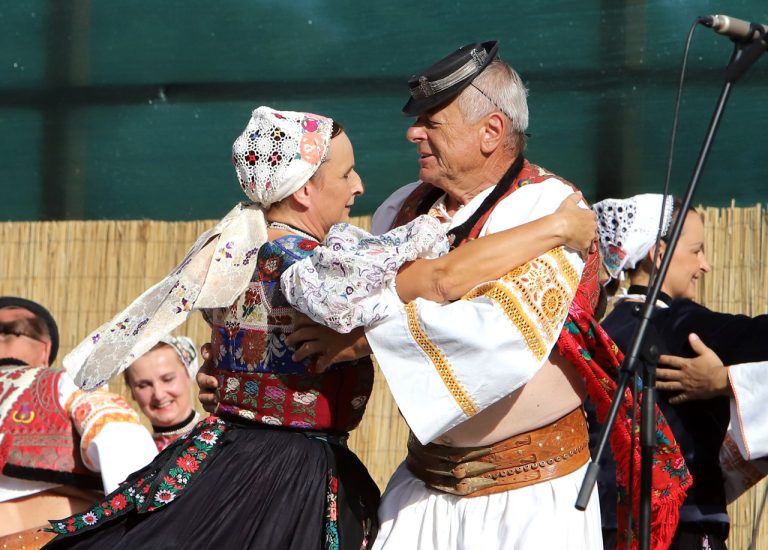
<point x="311" y="339"/>
<point x="701" y="377"/>
<point x="580" y="224"/>
<point x="207" y="383"/>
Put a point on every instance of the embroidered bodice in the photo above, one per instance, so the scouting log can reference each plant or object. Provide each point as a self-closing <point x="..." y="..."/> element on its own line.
<point x="258" y="379"/>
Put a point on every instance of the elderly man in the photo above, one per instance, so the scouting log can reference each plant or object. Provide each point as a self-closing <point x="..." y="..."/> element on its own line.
<point x="492" y="385"/>
<point x="480" y="378"/>
<point x="54" y="439"/>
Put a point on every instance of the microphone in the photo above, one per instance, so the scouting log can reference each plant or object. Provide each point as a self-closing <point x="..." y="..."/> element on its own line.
<point x="737" y="30"/>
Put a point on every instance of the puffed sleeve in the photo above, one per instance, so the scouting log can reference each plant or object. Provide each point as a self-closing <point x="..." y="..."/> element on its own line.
<point x="444" y="363"/>
<point x="112" y="439"/>
<point x="349" y="280"/>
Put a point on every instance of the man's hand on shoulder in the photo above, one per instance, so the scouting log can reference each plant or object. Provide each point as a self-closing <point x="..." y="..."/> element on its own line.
<point x="700" y="377"/>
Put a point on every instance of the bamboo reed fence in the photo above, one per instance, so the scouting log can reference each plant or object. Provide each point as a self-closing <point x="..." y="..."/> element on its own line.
<point x="84" y="272"/>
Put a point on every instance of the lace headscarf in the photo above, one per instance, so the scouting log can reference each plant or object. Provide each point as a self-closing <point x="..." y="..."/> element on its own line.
<point x="275" y="155"/>
<point x="184" y="347"/>
<point x="627" y="229"/>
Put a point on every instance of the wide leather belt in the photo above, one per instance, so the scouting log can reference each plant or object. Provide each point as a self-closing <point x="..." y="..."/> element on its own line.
<point x="546" y="453"/>
<point x="31" y="539"/>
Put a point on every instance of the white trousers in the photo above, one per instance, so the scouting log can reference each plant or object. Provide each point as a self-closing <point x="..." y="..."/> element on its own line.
<point x="536" y="517"/>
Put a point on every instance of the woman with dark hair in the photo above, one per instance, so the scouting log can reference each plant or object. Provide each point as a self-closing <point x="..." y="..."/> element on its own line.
<point x="627" y="230"/>
<point x="271" y="469"/>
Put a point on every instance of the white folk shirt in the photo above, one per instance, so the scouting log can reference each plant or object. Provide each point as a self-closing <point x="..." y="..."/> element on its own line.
<point x="446" y="362"/>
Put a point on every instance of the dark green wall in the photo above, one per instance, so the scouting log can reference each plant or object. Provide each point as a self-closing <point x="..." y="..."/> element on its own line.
<point x="114" y="109"/>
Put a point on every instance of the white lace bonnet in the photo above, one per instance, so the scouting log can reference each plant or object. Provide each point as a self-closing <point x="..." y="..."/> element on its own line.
<point x="627" y="229"/>
<point x="275" y="155"/>
<point x="184" y="347"/>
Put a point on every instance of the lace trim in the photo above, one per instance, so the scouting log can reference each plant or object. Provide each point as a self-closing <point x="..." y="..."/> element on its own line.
<point x="441" y="363"/>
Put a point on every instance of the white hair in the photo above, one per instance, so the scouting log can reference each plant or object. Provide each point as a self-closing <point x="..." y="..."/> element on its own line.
<point x="498" y="88"/>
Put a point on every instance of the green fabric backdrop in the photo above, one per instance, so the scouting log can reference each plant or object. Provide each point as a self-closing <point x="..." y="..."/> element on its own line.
<point x="121" y="110"/>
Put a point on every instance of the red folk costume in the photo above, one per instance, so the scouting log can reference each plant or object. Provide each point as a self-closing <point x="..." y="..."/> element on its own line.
<point x="45" y="438"/>
<point x="38" y="438"/>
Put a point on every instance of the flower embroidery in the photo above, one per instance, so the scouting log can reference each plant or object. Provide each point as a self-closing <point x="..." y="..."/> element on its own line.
<point x="253" y="347"/>
<point x="248" y="415"/>
<point x="275" y="158"/>
<point x="89" y="518"/>
<point x="187" y="463"/>
<point x="299" y="424"/>
<point x="311" y="148"/>
<point x="164" y="497"/>
<point x="309" y="124"/>
<point x="274" y="393"/>
<point x="118" y="502"/>
<point x="306" y="245"/>
<point x="304" y="398"/>
<point x="208" y="437"/>
<point x="233" y="384"/>
<point x="269" y="267"/>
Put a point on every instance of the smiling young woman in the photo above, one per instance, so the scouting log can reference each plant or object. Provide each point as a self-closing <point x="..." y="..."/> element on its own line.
<point x="161" y="384"/>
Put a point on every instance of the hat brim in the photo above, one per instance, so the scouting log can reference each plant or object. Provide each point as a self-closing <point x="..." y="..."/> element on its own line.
<point x="42" y="313"/>
<point x="443" y="68"/>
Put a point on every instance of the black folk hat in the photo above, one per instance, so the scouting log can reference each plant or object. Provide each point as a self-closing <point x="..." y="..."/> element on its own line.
<point x="40" y="312"/>
<point x="448" y="77"/>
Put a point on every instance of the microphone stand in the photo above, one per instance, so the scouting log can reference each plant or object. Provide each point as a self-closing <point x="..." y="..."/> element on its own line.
<point x="642" y="350"/>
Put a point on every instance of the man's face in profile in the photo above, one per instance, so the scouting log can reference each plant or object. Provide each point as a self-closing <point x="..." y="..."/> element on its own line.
<point x="23" y="336"/>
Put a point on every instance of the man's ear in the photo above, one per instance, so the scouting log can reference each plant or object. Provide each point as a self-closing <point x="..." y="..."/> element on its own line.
<point x="45" y="353"/>
<point x="493" y="132"/>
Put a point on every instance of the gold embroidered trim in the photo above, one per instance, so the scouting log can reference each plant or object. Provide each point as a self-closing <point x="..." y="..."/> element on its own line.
<point x="514" y="310"/>
<point x="535" y="297"/>
<point x="565" y="267"/>
<point x="441" y="363"/>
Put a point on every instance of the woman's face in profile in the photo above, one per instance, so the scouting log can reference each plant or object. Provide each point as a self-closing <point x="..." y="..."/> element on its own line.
<point x="336" y="183"/>
<point x="688" y="262"/>
<point x="161" y="386"/>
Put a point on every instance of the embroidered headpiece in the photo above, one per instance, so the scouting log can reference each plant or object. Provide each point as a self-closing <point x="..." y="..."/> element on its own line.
<point x="185" y="349"/>
<point x="628" y="228"/>
<point x="278" y="152"/>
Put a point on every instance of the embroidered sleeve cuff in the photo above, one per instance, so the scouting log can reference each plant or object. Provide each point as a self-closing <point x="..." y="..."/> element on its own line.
<point x="749" y="415"/>
<point x="91" y="412"/>
<point x="445" y="363"/>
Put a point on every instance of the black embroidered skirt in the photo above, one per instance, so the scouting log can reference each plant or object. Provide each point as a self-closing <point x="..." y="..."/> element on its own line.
<point x="228" y="485"/>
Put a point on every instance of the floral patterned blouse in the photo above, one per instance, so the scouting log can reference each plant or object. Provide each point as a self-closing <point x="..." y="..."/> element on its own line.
<point x="258" y="380"/>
